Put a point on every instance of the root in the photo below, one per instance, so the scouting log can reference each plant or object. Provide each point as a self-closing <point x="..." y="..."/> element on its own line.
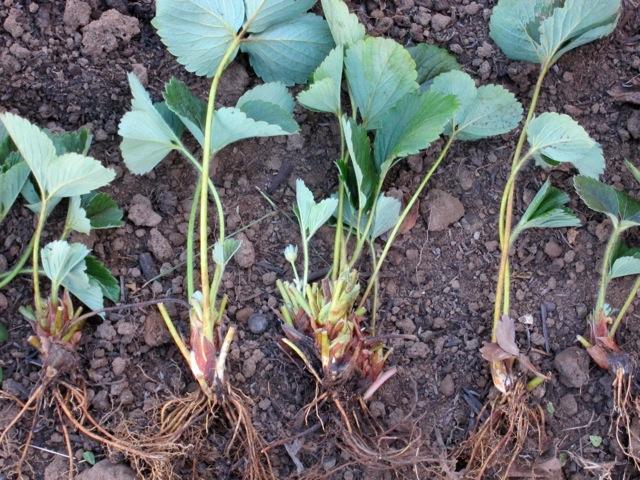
<point x="627" y="416"/>
<point x="493" y="449"/>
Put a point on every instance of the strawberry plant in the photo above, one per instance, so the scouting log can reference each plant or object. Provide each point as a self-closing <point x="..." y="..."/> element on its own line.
<point x="400" y="101"/>
<point x="284" y="45"/>
<point x="48" y="169"/>
<point x="539" y="31"/>
<point x="619" y="261"/>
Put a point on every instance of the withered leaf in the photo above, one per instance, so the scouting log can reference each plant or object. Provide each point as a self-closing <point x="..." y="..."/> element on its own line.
<point x="492" y="352"/>
<point x="506" y="335"/>
<point x="411" y="219"/>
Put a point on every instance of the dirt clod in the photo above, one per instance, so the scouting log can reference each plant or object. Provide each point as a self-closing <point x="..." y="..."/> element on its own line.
<point x="258" y="323"/>
<point x="573" y="366"/>
<point x="76" y="14"/>
<point x="246" y="255"/>
<point x="159" y="245"/>
<point x="447" y="386"/>
<point x="568" y="404"/>
<point x="442" y="209"/>
<point x="105" y="470"/>
<point x="155" y="332"/>
<point x="108" y="33"/>
<point x="13" y="24"/>
<point x="141" y="213"/>
<point x="552" y="249"/>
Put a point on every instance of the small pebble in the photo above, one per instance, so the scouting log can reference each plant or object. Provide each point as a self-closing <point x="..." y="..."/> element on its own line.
<point x="258" y="323"/>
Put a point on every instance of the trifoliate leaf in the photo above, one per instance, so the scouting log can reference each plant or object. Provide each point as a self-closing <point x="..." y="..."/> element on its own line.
<point x="71" y="142"/>
<point x="312" y="215"/>
<point x="146" y="136"/>
<point x="362" y="175"/>
<point x="345" y="27"/>
<point x="59" y="258"/>
<point x="635" y="171"/>
<point x="100" y="275"/>
<point x="102" y="211"/>
<point x="224" y="252"/>
<point x="191" y="110"/>
<point x="64" y="176"/>
<point x="546" y="210"/>
<point x="387" y="213"/>
<point x="431" y="61"/>
<point x="12" y="181"/>
<point x="266" y="13"/>
<point x="199" y="32"/>
<point x="618" y="206"/>
<point x="323" y="95"/>
<point x="289" y="52"/>
<point x="541" y="31"/>
<point x="380" y="72"/>
<point x="411" y="125"/>
<point x="77" y="216"/>
<point x="557" y="138"/>
<point x="484" y="112"/>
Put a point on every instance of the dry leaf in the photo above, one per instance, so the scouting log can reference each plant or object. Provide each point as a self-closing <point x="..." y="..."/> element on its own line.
<point x="411" y="219"/>
<point x="492" y="352"/>
<point x="506" y="335"/>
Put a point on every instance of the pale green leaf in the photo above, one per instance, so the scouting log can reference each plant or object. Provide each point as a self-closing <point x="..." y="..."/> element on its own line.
<point x="323" y="95"/>
<point x="312" y="215"/>
<point x="411" y="125"/>
<point x="626" y="265"/>
<point x="272" y="92"/>
<point x="484" y="112"/>
<point x="170" y="118"/>
<point x="266" y="13"/>
<point x="224" y="252"/>
<point x="84" y="287"/>
<point x="100" y="275"/>
<point x="198" y="32"/>
<point x="102" y="211"/>
<point x="345" y="27"/>
<point x="555" y="137"/>
<point x="546" y="210"/>
<point x="12" y="181"/>
<point x="77" y="216"/>
<point x="387" y="214"/>
<point x="146" y="136"/>
<point x="380" y="72"/>
<point x="432" y="61"/>
<point x="618" y="206"/>
<point x="71" y="142"/>
<point x="289" y="52"/>
<point x="59" y="258"/>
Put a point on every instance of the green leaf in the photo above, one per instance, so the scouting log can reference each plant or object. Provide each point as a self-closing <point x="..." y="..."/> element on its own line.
<point x="312" y="215"/>
<point x="89" y="457"/>
<point x="595" y="440"/>
<point x="102" y="211"/>
<point x="199" y="32"/>
<point x="65" y="176"/>
<point x="12" y="181"/>
<point x="546" y="210"/>
<point x="266" y="13"/>
<point x="170" y="118"/>
<point x="363" y="168"/>
<point x="289" y="52"/>
<point x="100" y="275"/>
<point x="4" y="333"/>
<point x="323" y="95"/>
<point x="224" y="252"/>
<point x="272" y="92"/>
<point x="411" y="125"/>
<point x="60" y="258"/>
<point x="626" y="264"/>
<point x="71" y="142"/>
<point x="146" y="136"/>
<point x="622" y="209"/>
<point x="191" y="110"/>
<point x="541" y="31"/>
<point x="345" y="27"/>
<point x="77" y="216"/>
<point x="432" y="61"/>
<point x="484" y="112"/>
<point x="635" y="171"/>
<point x="270" y="103"/>
<point x="387" y="214"/>
<point x="557" y="138"/>
<point x="380" y="72"/>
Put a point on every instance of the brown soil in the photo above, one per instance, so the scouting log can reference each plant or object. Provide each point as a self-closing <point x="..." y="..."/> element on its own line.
<point x="436" y="285"/>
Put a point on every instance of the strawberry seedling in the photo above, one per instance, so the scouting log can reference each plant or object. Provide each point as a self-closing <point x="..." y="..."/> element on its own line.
<point x="537" y="31"/>
<point x="400" y="101"/>
<point x="284" y="44"/>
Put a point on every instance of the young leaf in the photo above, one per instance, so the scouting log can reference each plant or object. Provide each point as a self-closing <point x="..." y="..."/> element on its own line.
<point x="71" y="142"/>
<point x="289" y="52"/>
<point x="198" y="32"/>
<point x="59" y="258"/>
<point x="484" y="112"/>
<point x="411" y="125"/>
<point x="224" y="252"/>
<point x="65" y="176"/>
<point x="345" y="27"/>
<point x="386" y="215"/>
<point x="191" y="110"/>
<point x="546" y="210"/>
<point x="102" y="211"/>
<point x="380" y="72"/>
<point x="323" y="95"/>
<point x="146" y="136"/>
<point x="557" y="138"/>
<point x="618" y="206"/>
<point x="266" y="13"/>
<point x="312" y="215"/>
<point x="12" y="181"/>
<point x="363" y="169"/>
<point x="100" y="275"/>
<point x="540" y="31"/>
<point x="627" y="264"/>
<point x="432" y="61"/>
<point x="77" y="216"/>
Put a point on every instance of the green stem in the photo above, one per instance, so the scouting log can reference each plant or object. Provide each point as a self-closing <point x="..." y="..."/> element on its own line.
<point x="339" y="237"/>
<point x="305" y="259"/>
<point x="190" y="240"/>
<point x="37" y="300"/>
<point x="605" y="276"/>
<point x="374" y="279"/>
<point x="506" y="213"/>
<point x="7" y="277"/>
<point x="630" y="298"/>
<point x="403" y="216"/>
<point x="365" y="233"/>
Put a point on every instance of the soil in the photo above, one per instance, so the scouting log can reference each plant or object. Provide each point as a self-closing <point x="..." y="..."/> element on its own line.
<point x="437" y="285"/>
